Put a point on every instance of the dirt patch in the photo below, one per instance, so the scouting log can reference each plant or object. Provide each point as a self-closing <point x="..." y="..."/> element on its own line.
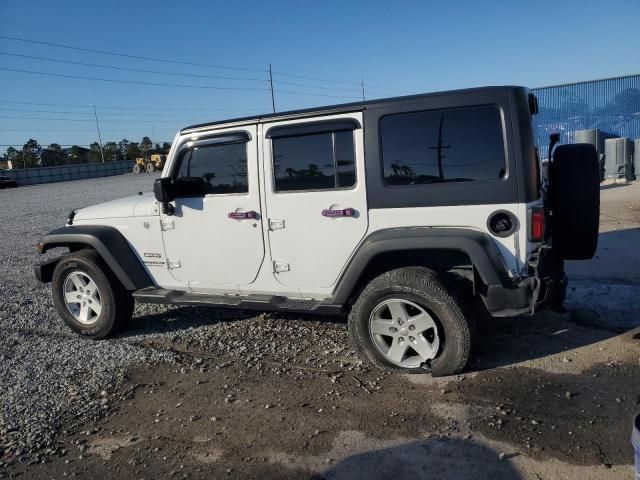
<point x="577" y="418"/>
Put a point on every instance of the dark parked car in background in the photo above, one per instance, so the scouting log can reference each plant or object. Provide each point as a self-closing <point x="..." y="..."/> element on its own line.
<point x="6" y="182"/>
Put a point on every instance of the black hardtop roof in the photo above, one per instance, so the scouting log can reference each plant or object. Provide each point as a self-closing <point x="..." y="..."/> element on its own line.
<point x="341" y="107"/>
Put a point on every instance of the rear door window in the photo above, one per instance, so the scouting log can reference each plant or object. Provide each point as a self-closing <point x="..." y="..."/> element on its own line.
<point x="316" y="161"/>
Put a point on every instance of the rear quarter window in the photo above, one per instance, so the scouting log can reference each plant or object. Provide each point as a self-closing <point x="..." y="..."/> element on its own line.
<point x="439" y="146"/>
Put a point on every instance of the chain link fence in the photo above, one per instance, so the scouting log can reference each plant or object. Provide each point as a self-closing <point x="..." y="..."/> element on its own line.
<point x="611" y="105"/>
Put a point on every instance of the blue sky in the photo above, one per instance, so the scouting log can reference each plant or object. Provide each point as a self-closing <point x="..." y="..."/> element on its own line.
<point x="397" y="47"/>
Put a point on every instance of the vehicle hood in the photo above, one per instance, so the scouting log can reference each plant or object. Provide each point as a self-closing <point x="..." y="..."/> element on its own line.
<point x="133" y="206"/>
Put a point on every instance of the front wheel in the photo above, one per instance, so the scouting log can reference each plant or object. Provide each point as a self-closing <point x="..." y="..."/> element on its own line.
<point x="407" y="320"/>
<point x="88" y="297"/>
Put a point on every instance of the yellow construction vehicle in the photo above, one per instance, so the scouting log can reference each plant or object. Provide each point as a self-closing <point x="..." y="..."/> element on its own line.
<point x="151" y="164"/>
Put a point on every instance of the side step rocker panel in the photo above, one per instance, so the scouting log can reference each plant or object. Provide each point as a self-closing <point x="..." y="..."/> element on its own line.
<point x="249" y="302"/>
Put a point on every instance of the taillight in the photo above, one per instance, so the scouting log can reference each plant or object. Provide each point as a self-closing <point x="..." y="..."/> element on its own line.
<point x="536" y="224"/>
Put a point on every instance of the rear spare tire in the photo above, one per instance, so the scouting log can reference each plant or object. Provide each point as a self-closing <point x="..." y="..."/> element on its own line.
<point x="574" y="191"/>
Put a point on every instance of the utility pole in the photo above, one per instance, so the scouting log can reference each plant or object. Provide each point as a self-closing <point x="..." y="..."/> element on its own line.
<point x="95" y="114"/>
<point x="362" y="85"/>
<point x="273" y="99"/>
<point x="439" y="148"/>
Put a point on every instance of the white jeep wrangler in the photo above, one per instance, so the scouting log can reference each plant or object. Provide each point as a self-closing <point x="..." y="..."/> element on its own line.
<point x="416" y="215"/>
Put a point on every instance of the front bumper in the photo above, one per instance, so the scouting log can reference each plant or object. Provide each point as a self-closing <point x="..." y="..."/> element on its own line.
<point x="545" y="287"/>
<point x="44" y="270"/>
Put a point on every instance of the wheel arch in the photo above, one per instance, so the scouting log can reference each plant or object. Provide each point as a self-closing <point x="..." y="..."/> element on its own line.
<point x="110" y="245"/>
<point x="432" y="247"/>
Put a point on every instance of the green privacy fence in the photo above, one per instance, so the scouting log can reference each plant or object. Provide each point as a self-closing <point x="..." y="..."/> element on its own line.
<point x="61" y="173"/>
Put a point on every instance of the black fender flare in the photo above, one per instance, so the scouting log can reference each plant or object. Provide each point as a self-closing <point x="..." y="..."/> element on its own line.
<point x="478" y="246"/>
<point x="110" y="245"/>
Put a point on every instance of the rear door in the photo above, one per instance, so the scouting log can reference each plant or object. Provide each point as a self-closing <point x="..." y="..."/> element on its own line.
<point x="315" y="197"/>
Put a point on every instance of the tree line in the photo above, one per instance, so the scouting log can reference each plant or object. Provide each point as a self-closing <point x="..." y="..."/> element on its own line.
<point x="33" y="154"/>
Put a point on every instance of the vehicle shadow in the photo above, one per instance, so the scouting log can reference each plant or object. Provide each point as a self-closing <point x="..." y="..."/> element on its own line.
<point x="617" y="258"/>
<point x="601" y="301"/>
<point x="175" y="319"/>
<point x="511" y="340"/>
<point x="445" y="459"/>
<point x="613" y="185"/>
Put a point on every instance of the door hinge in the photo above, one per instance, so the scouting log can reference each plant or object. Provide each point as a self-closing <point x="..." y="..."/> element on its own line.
<point x="279" y="267"/>
<point x="167" y="225"/>
<point x="275" y="224"/>
<point x="173" y="264"/>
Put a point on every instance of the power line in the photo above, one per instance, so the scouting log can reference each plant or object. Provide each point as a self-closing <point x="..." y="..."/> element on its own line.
<point x="293" y="92"/>
<point x="326" y="80"/>
<point x="134" y="82"/>
<point x="61" y="144"/>
<point x="67" y="144"/>
<point x="157" y="84"/>
<point x="42" y="118"/>
<point x="119" y="107"/>
<point x="304" y="77"/>
<point x="118" y="114"/>
<point x="127" y="55"/>
<point x="306" y="85"/>
<point x="84" y="119"/>
<point x="140" y="70"/>
<point x="182" y="62"/>
<point x="6" y="130"/>
<point x="44" y="111"/>
<point x="194" y="75"/>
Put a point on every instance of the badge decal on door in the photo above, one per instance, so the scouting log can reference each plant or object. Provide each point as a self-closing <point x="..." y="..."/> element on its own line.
<point x="153" y="263"/>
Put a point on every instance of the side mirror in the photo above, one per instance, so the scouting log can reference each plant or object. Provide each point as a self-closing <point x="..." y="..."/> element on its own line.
<point x="163" y="190"/>
<point x="189" y="187"/>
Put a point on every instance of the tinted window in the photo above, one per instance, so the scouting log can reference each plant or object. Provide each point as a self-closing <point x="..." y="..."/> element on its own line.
<point x="454" y="145"/>
<point x="223" y="167"/>
<point x="314" y="162"/>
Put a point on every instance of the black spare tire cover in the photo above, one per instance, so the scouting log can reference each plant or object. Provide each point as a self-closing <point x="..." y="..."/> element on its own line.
<point x="574" y="194"/>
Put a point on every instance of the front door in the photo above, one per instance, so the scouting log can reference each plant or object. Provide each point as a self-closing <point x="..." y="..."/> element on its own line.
<point x="315" y="197"/>
<point x="216" y="243"/>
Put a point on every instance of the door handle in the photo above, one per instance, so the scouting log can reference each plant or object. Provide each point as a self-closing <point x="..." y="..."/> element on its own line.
<point x="250" y="215"/>
<point x="345" y="212"/>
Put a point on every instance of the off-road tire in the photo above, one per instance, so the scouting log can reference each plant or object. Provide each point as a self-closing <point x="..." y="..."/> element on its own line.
<point x="426" y="288"/>
<point x="137" y="168"/>
<point x="117" y="302"/>
<point x="574" y="193"/>
<point x="150" y="167"/>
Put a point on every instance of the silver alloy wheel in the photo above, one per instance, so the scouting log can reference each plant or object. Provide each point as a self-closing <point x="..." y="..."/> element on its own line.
<point x="404" y="333"/>
<point x="82" y="297"/>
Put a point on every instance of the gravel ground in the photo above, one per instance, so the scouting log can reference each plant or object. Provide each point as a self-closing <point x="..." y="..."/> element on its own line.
<point x="194" y="392"/>
<point x="48" y="374"/>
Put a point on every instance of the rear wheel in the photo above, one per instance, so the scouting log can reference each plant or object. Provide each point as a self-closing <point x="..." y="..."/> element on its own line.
<point x="574" y="190"/>
<point x="88" y="297"/>
<point x="151" y="167"/>
<point x="407" y="320"/>
<point x="137" y="168"/>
